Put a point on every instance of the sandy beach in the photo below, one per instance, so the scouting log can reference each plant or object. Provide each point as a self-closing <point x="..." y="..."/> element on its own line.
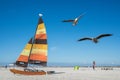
<point x="65" y="73"/>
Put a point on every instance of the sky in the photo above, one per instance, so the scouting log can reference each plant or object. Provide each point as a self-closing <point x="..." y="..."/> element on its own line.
<point x="19" y="18"/>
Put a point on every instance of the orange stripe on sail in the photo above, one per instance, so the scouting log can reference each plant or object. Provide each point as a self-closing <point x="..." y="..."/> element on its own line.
<point x="38" y="57"/>
<point x="40" y="36"/>
<point x="23" y="58"/>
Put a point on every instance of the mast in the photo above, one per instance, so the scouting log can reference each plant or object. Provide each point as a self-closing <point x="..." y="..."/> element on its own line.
<point x="33" y="40"/>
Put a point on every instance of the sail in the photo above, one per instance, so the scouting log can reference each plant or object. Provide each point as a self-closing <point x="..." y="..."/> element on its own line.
<point x="38" y="53"/>
<point x="23" y="58"/>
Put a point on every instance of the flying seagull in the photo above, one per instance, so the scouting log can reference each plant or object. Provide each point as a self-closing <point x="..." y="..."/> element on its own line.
<point x="95" y="40"/>
<point x="74" y="21"/>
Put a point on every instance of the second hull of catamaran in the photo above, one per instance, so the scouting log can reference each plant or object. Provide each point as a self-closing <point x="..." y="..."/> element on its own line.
<point x="15" y="71"/>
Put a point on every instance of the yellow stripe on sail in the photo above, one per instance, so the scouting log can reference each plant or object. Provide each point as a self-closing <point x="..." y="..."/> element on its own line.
<point x="39" y="51"/>
<point x="28" y="46"/>
<point x="40" y="46"/>
<point x="41" y="26"/>
<point x="41" y="31"/>
<point x="25" y="52"/>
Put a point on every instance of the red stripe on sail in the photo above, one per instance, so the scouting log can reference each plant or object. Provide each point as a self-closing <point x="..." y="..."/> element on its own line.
<point x="23" y="58"/>
<point x="38" y="57"/>
<point x="40" y="36"/>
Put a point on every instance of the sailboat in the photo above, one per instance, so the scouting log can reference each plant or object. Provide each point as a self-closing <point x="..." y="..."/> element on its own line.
<point x="35" y="52"/>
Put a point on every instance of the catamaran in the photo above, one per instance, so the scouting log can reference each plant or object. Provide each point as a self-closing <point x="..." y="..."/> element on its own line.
<point x="35" y="52"/>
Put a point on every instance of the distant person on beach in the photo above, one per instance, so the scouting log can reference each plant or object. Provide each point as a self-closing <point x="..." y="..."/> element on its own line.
<point x="94" y="65"/>
<point x="6" y="66"/>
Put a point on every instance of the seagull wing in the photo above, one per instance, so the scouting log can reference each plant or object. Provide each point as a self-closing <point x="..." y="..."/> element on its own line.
<point x="103" y="35"/>
<point x="85" y="39"/>
<point x="80" y="16"/>
<point x="67" y="20"/>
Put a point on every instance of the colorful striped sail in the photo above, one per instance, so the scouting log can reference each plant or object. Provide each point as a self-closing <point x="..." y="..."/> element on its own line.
<point x="23" y="58"/>
<point x="35" y="51"/>
<point x="40" y="47"/>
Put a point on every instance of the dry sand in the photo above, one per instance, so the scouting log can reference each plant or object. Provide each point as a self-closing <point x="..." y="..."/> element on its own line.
<point x="66" y="73"/>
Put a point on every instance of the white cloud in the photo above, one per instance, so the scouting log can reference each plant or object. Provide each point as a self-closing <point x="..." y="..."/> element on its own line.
<point x="53" y="49"/>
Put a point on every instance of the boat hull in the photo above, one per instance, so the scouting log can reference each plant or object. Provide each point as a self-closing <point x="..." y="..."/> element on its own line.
<point x="15" y="71"/>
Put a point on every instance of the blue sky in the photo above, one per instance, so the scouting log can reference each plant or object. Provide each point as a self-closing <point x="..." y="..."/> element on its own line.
<point x="18" y="21"/>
